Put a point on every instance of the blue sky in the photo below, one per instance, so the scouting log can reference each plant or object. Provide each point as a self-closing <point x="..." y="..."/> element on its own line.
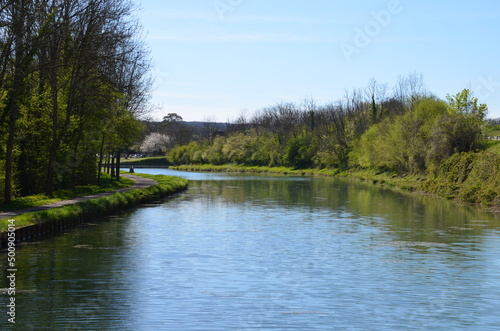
<point x="214" y="59"/>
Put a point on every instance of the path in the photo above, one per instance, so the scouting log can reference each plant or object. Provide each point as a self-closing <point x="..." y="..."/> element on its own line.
<point x="140" y="182"/>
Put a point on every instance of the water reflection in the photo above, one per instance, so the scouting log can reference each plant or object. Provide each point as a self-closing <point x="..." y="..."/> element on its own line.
<point x="239" y="252"/>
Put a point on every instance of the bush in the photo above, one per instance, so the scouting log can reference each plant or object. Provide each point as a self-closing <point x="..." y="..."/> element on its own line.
<point x="300" y="152"/>
<point x="213" y="154"/>
<point x="184" y="154"/>
<point x="472" y="177"/>
<point x="483" y="183"/>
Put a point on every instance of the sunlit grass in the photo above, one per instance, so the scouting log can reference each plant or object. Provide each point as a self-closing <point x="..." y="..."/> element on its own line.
<point x="494" y="146"/>
<point x="107" y="184"/>
<point x="160" y="161"/>
<point x="240" y="168"/>
<point x="103" y="206"/>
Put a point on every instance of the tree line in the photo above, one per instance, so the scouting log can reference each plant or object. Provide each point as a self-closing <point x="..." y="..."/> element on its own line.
<point x="403" y="130"/>
<point x="73" y="82"/>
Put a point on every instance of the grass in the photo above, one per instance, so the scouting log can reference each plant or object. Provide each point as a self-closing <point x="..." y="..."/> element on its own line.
<point x="243" y="169"/>
<point x="492" y="131"/>
<point x="95" y="208"/>
<point x="409" y="183"/>
<point x="158" y="161"/>
<point x="107" y="184"/>
<point x="493" y="146"/>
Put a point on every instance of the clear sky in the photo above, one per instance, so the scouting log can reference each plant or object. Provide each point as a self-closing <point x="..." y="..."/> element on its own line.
<point x="214" y="59"/>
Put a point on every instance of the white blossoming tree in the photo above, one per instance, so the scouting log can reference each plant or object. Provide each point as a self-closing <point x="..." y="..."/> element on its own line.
<point x="155" y="143"/>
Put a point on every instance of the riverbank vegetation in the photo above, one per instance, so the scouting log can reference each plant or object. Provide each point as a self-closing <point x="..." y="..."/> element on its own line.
<point x="100" y="207"/>
<point x="73" y="85"/>
<point x="440" y="144"/>
<point x="155" y="161"/>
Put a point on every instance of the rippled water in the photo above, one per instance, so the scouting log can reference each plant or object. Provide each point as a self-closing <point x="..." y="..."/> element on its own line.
<point x="239" y="252"/>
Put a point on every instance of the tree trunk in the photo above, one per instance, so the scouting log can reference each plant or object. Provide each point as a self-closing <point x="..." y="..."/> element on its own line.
<point x="113" y="166"/>
<point x="51" y="169"/>
<point x="99" y="168"/>
<point x="108" y="163"/>
<point x="118" y="154"/>
<point x="18" y="25"/>
<point x="9" y="164"/>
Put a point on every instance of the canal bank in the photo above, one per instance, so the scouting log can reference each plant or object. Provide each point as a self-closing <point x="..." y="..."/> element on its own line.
<point x="41" y="221"/>
<point x="442" y="187"/>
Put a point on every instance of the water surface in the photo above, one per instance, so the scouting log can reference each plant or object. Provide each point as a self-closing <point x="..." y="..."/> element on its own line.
<point x="250" y="252"/>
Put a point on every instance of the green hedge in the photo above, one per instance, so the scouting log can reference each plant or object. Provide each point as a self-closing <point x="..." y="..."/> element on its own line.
<point x="103" y="206"/>
<point x="160" y="161"/>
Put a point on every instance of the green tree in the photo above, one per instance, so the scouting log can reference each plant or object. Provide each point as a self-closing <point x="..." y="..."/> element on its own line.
<point x="73" y="74"/>
<point x="465" y="103"/>
<point x="459" y="130"/>
<point x="239" y="148"/>
<point x="301" y="150"/>
<point x="400" y="143"/>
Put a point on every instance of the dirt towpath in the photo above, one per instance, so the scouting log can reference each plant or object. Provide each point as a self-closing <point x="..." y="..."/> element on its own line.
<point x="139" y="183"/>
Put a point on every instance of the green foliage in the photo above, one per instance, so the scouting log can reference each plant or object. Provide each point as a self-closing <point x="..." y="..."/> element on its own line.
<point x="492" y="130"/>
<point x="422" y="138"/>
<point x="334" y="147"/>
<point x="239" y="148"/>
<point x="186" y="154"/>
<point x="179" y="155"/>
<point x="376" y="148"/>
<point x="457" y="168"/>
<point x="493" y="147"/>
<point x="427" y="138"/>
<point x="300" y="151"/>
<point x="465" y="103"/>
<point x="472" y="177"/>
<point x="213" y="154"/>
<point x="453" y="133"/>
<point x="157" y="161"/>
<point x="483" y="183"/>
<point x="71" y="89"/>
<point x="267" y="152"/>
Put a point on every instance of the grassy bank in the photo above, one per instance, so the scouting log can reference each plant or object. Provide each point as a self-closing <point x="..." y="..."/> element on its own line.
<point x="107" y="184"/>
<point x="467" y="177"/>
<point x="160" y="161"/>
<point x="410" y="183"/>
<point x="103" y="206"/>
<point x="237" y="168"/>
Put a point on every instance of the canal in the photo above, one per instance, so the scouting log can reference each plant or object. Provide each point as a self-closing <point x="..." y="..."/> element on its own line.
<point x="250" y="252"/>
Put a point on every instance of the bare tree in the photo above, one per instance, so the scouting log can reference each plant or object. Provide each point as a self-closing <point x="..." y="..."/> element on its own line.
<point x="409" y="89"/>
<point x="309" y="108"/>
<point x="210" y="129"/>
<point x="375" y="93"/>
<point x="239" y="124"/>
